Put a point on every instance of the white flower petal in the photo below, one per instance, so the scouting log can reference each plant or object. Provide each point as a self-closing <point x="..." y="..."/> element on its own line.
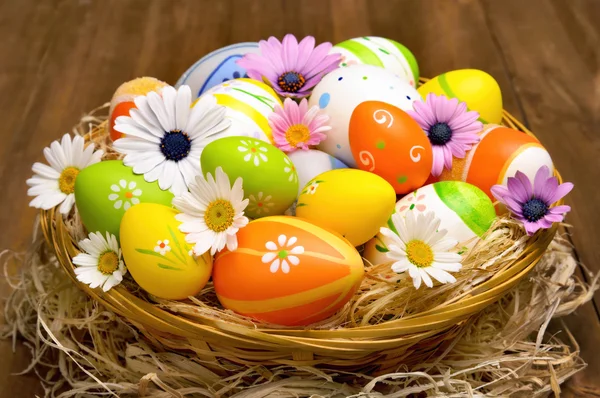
<point x="45" y="171"/>
<point x="268" y="257"/>
<point x="426" y="278"/>
<point x="67" y="204"/>
<point x="291" y="241"/>
<point x="293" y="259"/>
<point x="182" y="107"/>
<point x="274" y="266"/>
<point x="297" y="250"/>
<point x="157" y="105"/>
<point x="113" y="196"/>
<point x="285" y="267"/>
<point x="281" y="240"/>
<point x="271" y="246"/>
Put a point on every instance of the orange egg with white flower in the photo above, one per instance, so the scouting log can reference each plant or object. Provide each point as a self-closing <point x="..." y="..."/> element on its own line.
<point x="287" y="271"/>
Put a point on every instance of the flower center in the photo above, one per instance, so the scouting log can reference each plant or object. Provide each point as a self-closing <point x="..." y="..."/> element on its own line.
<point x="128" y="195"/>
<point x="296" y="134"/>
<point x="66" y="181"/>
<point x="282" y="254"/>
<point x="219" y="215"/>
<point x="440" y="133"/>
<point x="291" y="82"/>
<point x="534" y="209"/>
<point x="108" y="262"/>
<point x="175" y="145"/>
<point x="419" y="253"/>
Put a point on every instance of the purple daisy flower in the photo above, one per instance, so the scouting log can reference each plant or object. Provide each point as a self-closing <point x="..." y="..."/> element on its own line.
<point x="452" y="130"/>
<point x="291" y="68"/>
<point x="531" y="204"/>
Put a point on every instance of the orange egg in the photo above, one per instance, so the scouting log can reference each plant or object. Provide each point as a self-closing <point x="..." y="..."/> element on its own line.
<point x="501" y="152"/>
<point x="386" y="141"/>
<point x="287" y="271"/>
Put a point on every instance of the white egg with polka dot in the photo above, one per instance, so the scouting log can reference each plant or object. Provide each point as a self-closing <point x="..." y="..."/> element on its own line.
<point x="343" y="89"/>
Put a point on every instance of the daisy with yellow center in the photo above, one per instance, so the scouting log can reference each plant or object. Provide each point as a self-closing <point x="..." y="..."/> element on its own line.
<point x="421" y="249"/>
<point x="295" y="126"/>
<point x="100" y="264"/>
<point x="212" y="212"/>
<point x="55" y="184"/>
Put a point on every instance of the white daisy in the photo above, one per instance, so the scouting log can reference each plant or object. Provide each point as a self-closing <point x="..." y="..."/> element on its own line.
<point x="162" y="247"/>
<point x="164" y="137"/>
<point x="101" y="263"/>
<point x="421" y="249"/>
<point x="124" y="194"/>
<point x="253" y="150"/>
<point x="212" y="212"/>
<point x="312" y="188"/>
<point x="260" y="203"/>
<point x="282" y="254"/>
<point x="55" y="184"/>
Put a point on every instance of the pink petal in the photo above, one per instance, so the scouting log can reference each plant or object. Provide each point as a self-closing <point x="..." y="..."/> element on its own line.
<point x="305" y="48"/>
<point x="303" y="108"/>
<point x="290" y="52"/>
<point x="554" y="217"/>
<point x="438" y="160"/>
<point x="531" y="228"/>
<point x="316" y="59"/>
<point x="560" y="209"/>
<point x="446" y="108"/>
<point x="560" y="192"/>
<point x="447" y="157"/>
<point x="293" y="111"/>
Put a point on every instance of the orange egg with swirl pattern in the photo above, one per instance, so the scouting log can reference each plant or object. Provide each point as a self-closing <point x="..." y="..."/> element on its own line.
<point x="386" y="141"/>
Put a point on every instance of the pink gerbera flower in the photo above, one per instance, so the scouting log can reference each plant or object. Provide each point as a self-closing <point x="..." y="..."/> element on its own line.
<point x="531" y="204"/>
<point x="292" y="69"/>
<point x="295" y="126"/>
<point x="452" y="130"/>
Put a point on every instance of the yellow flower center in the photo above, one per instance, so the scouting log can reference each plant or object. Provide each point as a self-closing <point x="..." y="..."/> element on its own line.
<point x="108" y="262"/>
<point x="419" y="253"/>
<point x="298" y="133"/>
<point x="219" y="215"/>
<point x="66" y="181"/>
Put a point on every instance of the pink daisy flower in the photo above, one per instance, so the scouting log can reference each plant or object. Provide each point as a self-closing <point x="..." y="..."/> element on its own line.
<point x="291" y="68"/>
<point x="452" y="130"/>
<point x="531" y="204"/>
<point x="295" y="126"/>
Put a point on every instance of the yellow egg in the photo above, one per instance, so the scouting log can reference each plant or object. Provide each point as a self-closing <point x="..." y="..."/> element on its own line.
<point x="353" y="203"/>
<point x="157" y="255"/>
<point x="476" y="88"/>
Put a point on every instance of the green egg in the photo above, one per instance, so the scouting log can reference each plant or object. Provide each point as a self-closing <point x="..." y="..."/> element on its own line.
<point x="105" y="190"/>
<point x="270" y="180"/>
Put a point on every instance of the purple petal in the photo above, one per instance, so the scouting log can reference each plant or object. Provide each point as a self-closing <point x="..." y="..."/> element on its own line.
<point x="554" y="217"/>
<point x="314" y="62"/>
<point x="464" y="120"/>
<point x="499" y="192"/>
<point x="290" y="52"/>
<point x="560" y="209"/>
<point x="526" y="183"/>
<point x="539" y="181"/>
<point x="422" y="114"/>
<point x="305" y="48"/>
<point x="448" y="156"/>
<point x="517" y="190"/>
<point x="438" y="160"/>
<point x="446" y="108"/>
<point x="514" y="206"/>
<point x="531" y="227"/>
<point x="560" y="192"/>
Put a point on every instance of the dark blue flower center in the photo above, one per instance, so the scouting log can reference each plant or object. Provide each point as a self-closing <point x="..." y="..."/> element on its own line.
<point x="440" y="133"/>
<point x="291" y="82"/>
<point x="175" y="145"/>
<point x="534" y="209"/>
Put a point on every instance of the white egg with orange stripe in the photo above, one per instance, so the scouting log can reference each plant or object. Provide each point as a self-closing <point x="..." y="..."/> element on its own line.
<point x="249" y="104"/>
<point x="501" y="152"/>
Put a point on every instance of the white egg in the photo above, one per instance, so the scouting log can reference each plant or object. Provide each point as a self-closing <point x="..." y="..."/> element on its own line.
<point x="343" y="89"/>
<point x="311" y="163"/>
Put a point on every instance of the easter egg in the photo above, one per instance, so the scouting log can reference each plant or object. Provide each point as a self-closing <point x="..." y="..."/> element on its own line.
<point x="464" y="211"/>
<point x="157" y="255"/>
<point x="311" y="163"/>
<point x="217" y="67"/>
<point x="341" y="90"/>
<point x="477" y="89"/>
<point x="248" y="103"/>
<point x="379" y="51"/>
<point x="269" y="177"/>
<point x="105" y="191"/>
<point x="386" y="141"/>
<point x="353" y="203"/>
<point x="287" y="271"/>
<point x="501" y="152"/>
<point x="122" y="100"/>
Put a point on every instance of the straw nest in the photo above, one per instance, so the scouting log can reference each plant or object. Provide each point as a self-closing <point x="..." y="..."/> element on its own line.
<point x="386" y="323"/>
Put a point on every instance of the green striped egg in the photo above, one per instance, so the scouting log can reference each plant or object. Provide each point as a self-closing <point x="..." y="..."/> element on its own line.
<point x="464" y="210"/>
<point x="379" y="51"/>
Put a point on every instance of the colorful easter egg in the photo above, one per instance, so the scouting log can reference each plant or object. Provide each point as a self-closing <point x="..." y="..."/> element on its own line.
<point x="249" y="104"/>
<point x="105" y="191"/>
<point x="382" y="52"/>
<point x="340" y="91"/>
<point x="217" y="67"/>
<point x="353" y="203"/>
<point x="311" y="163"/>
<point x="477" y="89"/>
<point x="500" y="154"/>
<point x="464" y="211"/>
<point x="157" y="255"/>
<point x="386" y="141"/>
<point x="287" y="271"/>
<point x="269" y="177"/>
<point x="122" y="100"/>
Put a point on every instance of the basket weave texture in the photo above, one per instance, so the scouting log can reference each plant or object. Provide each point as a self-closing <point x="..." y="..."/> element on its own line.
<point x="374" y="348"/>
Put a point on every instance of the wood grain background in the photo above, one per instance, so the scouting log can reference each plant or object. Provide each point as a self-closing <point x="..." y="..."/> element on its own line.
<point x="59" y="59"/>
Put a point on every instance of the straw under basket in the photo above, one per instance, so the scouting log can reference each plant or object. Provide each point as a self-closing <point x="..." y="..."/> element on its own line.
<point x="224" y="344"/>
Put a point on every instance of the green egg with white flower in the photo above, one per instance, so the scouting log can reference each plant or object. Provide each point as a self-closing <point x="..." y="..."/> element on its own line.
<point x="106" y="190"/>
<point x="270" y="181"/>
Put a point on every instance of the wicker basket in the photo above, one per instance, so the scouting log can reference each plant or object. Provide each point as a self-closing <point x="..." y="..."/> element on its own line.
<point x="373" y="349"/>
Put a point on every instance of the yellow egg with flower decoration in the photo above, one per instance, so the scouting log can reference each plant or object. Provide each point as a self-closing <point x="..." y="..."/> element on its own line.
<point x="248" y="105"/>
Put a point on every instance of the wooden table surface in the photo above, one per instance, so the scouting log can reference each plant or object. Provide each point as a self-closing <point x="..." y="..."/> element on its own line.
<point x="59" y="59"/>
